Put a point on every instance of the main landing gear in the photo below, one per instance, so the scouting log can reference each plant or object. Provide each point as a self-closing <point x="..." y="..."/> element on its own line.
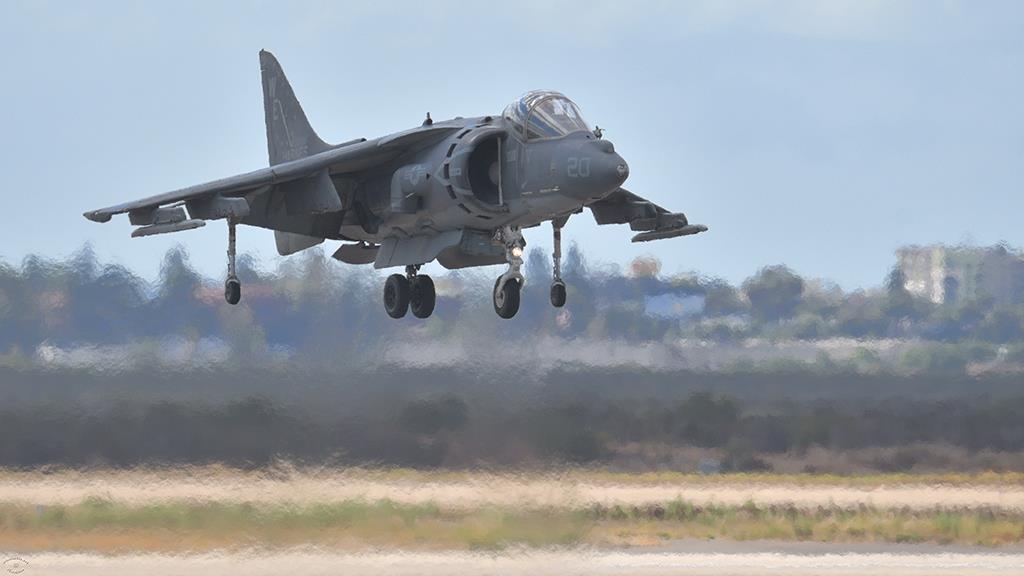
<point x="411" y="291"/>
<point x="508" y="286"/>
<point x="416" y="292"/>
<point x="232" y="287"/>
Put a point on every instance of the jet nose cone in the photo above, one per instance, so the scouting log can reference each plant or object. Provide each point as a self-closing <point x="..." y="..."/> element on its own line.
<point x="614" y="169"/>
<point x="618" y="170"/>
<point x="622" y="169"/>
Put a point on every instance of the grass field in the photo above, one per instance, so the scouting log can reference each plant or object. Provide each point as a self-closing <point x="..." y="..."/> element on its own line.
<point x="107" y="526"/>
<point x="212" y="508"/>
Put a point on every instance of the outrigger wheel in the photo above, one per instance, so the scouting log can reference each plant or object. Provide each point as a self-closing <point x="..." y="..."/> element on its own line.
<point x="557" y="285"/>
<point x="558" y="293"/>
<point x="232" y="286"/>
<point x="232" y="290"/>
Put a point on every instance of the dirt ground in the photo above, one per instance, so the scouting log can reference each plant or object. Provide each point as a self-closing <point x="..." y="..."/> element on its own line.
<point x="471" y="490"/>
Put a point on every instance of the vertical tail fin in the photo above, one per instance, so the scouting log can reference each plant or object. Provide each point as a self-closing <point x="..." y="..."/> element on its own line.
<point x="289" y="135"/>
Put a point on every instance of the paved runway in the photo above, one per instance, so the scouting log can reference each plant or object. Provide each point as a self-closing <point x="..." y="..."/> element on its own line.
<point x="686" y="558"/>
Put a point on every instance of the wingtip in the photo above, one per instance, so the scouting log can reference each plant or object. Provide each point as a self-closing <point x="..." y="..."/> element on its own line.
<point x="97" y="216"/>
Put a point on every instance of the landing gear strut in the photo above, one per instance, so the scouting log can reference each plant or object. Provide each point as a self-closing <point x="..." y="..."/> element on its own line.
<point x="232" y="287"/>
<point x="557" y="286"/>
<point x="412" y="290"/>
<point x="509" y="284"/>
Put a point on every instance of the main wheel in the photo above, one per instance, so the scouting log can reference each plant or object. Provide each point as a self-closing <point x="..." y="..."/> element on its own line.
<point x="423" y="297"/>
<point x="396" y="295"/>
<point x="232" y="290"/>
<point x="506" y="301"/>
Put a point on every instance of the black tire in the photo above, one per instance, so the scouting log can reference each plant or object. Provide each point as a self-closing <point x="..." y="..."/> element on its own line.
<point x="423" y="297"/>
<point x="396" y="295"/>
<point x="232" y="291"/>
<point x="558" y="294"/>
<point x="506" y="303"/>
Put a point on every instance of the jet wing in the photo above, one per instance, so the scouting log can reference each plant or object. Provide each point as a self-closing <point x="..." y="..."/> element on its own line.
<point x="225" y="197"/>
<point x="652" y="221"/>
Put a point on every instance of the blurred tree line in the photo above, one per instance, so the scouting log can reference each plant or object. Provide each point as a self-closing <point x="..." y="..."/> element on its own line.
<point x="446" y="430"/>
<point x="316" y="307"/>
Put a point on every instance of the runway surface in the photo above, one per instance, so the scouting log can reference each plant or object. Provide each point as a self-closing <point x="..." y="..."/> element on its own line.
<point x="687" y="558"/>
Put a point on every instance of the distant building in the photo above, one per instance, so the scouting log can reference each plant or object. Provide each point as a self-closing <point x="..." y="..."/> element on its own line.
<point x="949" y="274"/>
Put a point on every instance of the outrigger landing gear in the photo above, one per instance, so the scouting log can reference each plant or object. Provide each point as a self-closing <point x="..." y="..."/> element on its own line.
<point x="557" y="286"/>
<point x="232" y="287"/>
<point x="509" y="284"/>
<point x="413" y="291"/>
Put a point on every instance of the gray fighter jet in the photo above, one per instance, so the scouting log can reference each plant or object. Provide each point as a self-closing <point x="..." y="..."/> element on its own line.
<point x="459" y="192"/>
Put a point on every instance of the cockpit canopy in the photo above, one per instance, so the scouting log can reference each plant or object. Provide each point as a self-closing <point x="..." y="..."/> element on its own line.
<point x="545" y="114"/>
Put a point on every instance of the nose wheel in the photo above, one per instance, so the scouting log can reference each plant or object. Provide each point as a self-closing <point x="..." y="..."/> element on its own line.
<point x="508" y="286"/>
<point x="411" y="291"/>
<point x="506" y="297"/>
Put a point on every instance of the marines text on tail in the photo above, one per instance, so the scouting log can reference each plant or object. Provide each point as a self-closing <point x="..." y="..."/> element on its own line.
<point x="459" y="191"/>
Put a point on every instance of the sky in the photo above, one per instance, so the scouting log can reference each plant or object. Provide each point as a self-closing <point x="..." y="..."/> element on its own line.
<point x="820" y="135"/>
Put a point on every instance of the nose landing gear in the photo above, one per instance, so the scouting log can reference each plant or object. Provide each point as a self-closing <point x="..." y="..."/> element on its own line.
<point x="412" y="291"/>
<point x="232" y="287"/>
<point x="508" y="286"/>
<point x="506" y="297"/>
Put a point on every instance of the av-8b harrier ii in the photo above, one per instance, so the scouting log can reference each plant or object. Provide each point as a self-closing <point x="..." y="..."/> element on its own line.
<point x="459" y="191"/>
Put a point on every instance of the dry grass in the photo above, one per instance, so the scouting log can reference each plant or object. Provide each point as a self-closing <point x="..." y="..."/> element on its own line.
<point x="109" y="527"/>
<point x="213" y="508"/>
<point x="475" y="489"/>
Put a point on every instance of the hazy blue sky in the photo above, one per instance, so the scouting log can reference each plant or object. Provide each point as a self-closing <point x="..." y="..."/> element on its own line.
<point x="822" y="135"/>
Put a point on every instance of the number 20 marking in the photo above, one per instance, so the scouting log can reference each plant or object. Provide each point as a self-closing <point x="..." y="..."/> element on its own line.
<point x="579" y="167"/>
